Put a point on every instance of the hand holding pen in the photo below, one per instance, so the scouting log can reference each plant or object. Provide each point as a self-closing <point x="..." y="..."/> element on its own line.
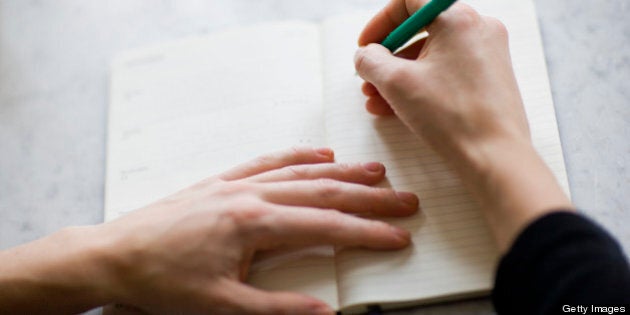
<point x="456" y="89"/>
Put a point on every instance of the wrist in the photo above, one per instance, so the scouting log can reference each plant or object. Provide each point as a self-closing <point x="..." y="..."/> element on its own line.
<point x="100" y="258"/>
<point x="482" y="160"/>
<point x="61" y="273"/>
<point x="82" y="260"/>
<point x="512" y="184"/>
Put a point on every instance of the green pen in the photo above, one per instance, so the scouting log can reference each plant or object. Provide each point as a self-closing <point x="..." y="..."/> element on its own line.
<point x="415" y="23"/>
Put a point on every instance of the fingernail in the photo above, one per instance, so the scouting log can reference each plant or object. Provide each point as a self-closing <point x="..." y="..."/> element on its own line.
<point x="403" y="236"/>
<point x="409" y="198"/>
<point x="373" y="167"/>
<point x="326" y="152"/>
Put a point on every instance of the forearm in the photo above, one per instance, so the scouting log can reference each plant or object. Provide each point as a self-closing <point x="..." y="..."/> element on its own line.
<point x="60" y="274"/>
<point x="512" y="184"/>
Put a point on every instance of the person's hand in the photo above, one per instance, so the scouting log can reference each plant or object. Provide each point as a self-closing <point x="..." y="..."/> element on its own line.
<point x="456" y="89"/>
<point x="190" y="252"/>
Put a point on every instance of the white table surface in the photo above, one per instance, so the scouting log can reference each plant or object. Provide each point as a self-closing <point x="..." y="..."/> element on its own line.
<point x="54" y="58"/>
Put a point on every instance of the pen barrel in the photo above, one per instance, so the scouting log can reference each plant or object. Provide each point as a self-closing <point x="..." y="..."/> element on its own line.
<point x="415" y="23"/>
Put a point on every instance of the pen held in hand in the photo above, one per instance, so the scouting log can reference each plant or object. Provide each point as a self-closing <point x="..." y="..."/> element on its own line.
<point x="417" y="21"/>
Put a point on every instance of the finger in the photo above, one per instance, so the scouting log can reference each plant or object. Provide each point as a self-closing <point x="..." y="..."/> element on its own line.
<point x="304" y="226"/>
<point x="244" y="299"/>
<point x="378" y="106"/>
<point x="376" y="64"/>
<point x="346" y="197"/>
<point x="385" y="21"/>
<point x="278" y="160"/>
<point x="369" y="89"/>
<point x="364" y="173"/>
<point x="375" y="104"/>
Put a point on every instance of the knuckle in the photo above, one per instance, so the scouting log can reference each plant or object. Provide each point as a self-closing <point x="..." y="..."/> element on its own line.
<point x="249" y="215"/>
<point x="464" y="17"/>
<point x="497" y="27"/>
<point x="296" y="151"/>
<point x="264" y="160"/>
<point x="383" y="194"/>
<point x="377" y="227"/>
<point x="371" y="227"/>
<point x="380" y="198"/>
<point x="364" y="61"/>
<point x="246" y="211"/>
<point x="359" y="61"/>
<point x="232" y="188"/>
<point x="334" y="218"/>
<point x="348" y="169"/>
<point x="297" y="171"/>
<point x="327" y="187"/>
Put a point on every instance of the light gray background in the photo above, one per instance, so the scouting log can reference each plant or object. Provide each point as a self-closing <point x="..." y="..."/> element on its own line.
<point x="54" y="59"/>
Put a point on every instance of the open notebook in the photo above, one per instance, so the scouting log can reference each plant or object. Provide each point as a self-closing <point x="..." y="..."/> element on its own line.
<point x="184" y="110"/>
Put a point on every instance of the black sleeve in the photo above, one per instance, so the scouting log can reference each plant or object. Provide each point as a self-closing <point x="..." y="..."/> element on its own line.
<point x="561" y="259"/>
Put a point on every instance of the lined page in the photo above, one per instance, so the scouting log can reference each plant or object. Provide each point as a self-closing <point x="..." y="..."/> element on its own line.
<point x="453" y="254"/>
<point x="183" y="111"/>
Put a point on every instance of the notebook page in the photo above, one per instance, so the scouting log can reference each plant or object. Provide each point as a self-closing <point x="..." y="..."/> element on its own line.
<point x="452" y="250"/>
<point x="183" y="111"/>
<point x="453" y="254"/>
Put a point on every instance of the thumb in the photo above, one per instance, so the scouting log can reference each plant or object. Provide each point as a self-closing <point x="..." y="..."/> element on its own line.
<point x="250" y="300"/>
<point x="375" y="63"/>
